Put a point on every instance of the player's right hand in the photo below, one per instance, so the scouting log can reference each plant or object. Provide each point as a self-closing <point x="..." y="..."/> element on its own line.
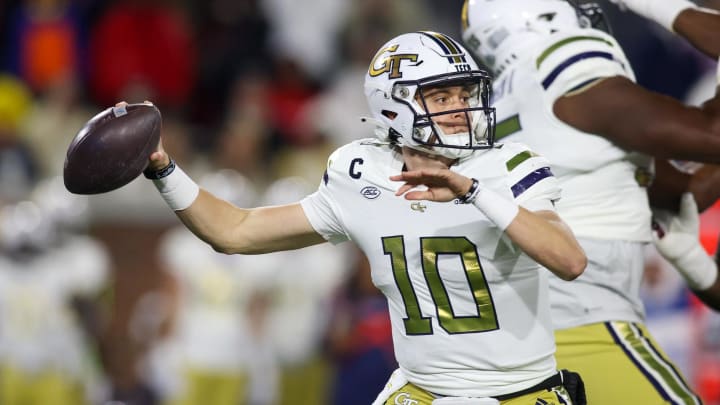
<point x="159" y="159"/>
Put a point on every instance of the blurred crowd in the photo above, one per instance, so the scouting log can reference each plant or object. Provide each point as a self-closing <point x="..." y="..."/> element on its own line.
<point x="106" y="299"/>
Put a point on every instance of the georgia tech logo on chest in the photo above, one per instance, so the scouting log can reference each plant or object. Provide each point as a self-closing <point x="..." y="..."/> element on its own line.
<point x="391" y="63"/>
<point x="418" y="206"/>
<point x="404" y="399"/>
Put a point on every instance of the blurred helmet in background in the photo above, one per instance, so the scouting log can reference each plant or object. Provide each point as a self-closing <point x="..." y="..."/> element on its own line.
<point x="286" y="190"/>
<point x="232" y="186"/>
<point x="15" y="103"/>
<point x="25" y="229"/>
<point x="70" y="213"/>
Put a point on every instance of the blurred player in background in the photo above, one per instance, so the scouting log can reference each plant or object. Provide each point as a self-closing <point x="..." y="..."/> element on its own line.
<point x="207" y="357"/>
<point x="448" y="221"/>
<point x="566" y="89"/>
<point x="18" y="165"/>
<point x="51" y="277"/>
<point x="300" y="307"/>
<point x="247" y="331"/>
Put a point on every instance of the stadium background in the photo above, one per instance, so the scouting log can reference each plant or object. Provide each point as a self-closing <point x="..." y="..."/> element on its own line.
<point x="266" y="88"/>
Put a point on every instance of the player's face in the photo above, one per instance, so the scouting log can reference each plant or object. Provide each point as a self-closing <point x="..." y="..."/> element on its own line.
<point x="440" y="99"/>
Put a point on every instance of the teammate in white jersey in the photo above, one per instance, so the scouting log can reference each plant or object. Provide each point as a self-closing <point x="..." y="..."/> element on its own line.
<point x="49" y="277"/>
<point x="700" y="27"/>
<point x="451" y="223"/>
<point x="568" y="91"/>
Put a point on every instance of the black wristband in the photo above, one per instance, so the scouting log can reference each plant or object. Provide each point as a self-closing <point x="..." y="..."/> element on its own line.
<point x="472" y="192"/>
<point x="159" y="174"/>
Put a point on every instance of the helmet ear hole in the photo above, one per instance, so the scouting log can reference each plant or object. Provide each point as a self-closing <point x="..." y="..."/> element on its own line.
<point x="389" y="114"/>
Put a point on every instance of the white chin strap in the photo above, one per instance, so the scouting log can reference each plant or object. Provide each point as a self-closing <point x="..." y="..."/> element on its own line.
<point x="380" y="129"/>
<point x="459" y="139"/>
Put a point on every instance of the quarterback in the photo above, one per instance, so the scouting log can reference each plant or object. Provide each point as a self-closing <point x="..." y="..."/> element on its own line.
<point x="567" y="90"/>
<point x="453" y="225"/>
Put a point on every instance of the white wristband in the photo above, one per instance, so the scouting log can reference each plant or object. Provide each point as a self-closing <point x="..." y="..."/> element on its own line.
<point x="697" y="268"/>
<point x="499" y="209"/>
<point x="177" y="189"/>
<point x="663" y="12"/>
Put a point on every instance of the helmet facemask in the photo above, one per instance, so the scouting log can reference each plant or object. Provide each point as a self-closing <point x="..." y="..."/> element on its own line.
<point x="591" y="14"/>
<point x="476" y="118"/>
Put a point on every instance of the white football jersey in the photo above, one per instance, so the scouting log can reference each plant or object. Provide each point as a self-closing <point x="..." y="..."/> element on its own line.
<point x="305" y="282"/>
<point x="603" y="186"/>
<point x="39" y="330"/>
<point x="469" y="310"/>
<point x="212" y="329"/>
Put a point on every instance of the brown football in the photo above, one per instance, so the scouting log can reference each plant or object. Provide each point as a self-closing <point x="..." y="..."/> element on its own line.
<point x="112" y="148"/>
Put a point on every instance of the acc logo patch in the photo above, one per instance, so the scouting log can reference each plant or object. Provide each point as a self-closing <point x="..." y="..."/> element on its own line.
<point x="370" y="192"/>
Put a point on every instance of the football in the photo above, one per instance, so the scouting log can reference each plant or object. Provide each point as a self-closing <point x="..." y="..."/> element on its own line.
<point x="112" y="148"/>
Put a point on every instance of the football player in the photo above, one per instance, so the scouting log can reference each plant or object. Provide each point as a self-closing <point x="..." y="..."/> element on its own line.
<point x="453" y="226"/>
<point x="51" y="281"/>
<point x="567" y="90"/>
<point x="210" y="334"/>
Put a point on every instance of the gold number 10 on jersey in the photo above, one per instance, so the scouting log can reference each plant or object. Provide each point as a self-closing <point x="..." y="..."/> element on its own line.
<point x="431" y="248"/>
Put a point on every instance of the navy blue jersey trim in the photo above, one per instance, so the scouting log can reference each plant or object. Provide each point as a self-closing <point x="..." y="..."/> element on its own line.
<point x="570" y="61"/>
<point x="528" y="181"/>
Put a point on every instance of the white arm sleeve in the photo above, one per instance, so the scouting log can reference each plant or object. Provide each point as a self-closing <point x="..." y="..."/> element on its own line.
<point x="662" y="12"/>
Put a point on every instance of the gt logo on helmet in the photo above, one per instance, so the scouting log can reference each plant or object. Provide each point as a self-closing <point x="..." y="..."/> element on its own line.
<point x="391" y="63"/>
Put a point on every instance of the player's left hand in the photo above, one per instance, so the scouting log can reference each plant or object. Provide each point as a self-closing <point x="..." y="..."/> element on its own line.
<point x="442" y="185"/>
<point x="677" y="239"/>
<point x="677" y="234"/>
